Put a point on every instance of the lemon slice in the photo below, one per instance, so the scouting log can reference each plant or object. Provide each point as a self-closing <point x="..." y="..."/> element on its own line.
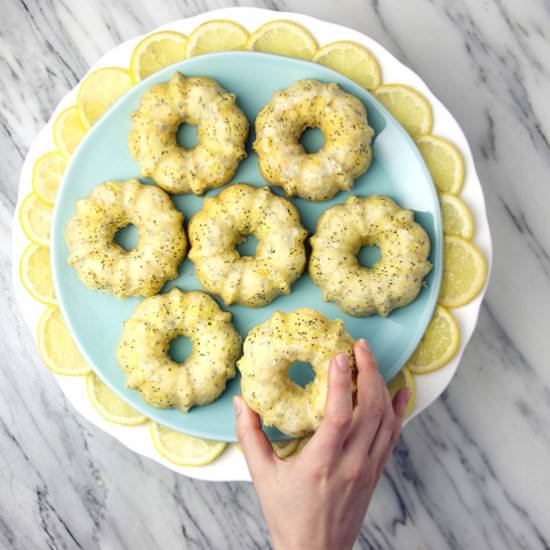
<point x="156" y="51"/>
<point x="46" y="175"/>
<point x="444" y="162"/>
<point x="109" y="405"/>
<point x="98" y="91"/>
<point x="283" y="37"/>
<point x="438" y="345"/>
<point x="402" y="379"/>
<point x="352" y="60"/>
<point x="215" y="36"/>
<point x="36" y="274"/>
<point x="411" y="109"/>
<point x="56" y="345"/>
<point x="464" y="272"/>
<point x="183" y="449"/>
<point x="35" y="217"/>
<point x="284" y="449"/>
<point x="68" y="131"/>
<point x="302" y="442"/>
<point x="457" y="218"/>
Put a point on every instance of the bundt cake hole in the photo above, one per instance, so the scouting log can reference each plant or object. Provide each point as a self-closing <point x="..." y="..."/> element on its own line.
<point x="301" y="373"/>
<point x="186" y="136"/>
<point x="368" y="255"/>
<point x="312" y="140"/>
<point x="179" y="349"/>
<point x="127" y="237"/>
<point x="247" y="246"/>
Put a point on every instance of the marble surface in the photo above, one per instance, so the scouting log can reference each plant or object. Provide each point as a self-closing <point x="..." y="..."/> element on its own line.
<point x="473" y="470"/>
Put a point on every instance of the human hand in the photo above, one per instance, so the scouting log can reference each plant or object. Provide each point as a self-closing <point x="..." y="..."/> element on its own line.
<point x="318" y="498"/>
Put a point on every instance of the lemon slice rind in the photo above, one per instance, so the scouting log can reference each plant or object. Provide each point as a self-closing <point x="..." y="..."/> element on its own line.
<point x="46" y="322"/>
<point x="340" y="55"/>
<point x="94" y="98"/>
<point x="68" y="131"/>
<point x="109" y="405"/>
<point x="55" y="162"/>
<point x="393" y="96"/>
<point x="161" y="437"/>
<point x="452" y="204"/>
<point x="35" y="216"/>
<point x="283" y="449"/>
<point x="435" y="150"/>
<point x="428" y="342"/>
<point x="35" y="273"/>
<point x="150" y="46"/>
<point x="448" y="296"/>
<point x="264" y="39"/>
<point x="215" y="36"/>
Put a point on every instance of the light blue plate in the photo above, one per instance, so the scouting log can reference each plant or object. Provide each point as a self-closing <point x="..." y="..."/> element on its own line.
<point x="398" y="171"/>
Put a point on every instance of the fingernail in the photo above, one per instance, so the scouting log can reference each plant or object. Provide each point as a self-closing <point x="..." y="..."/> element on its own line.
<point x="237" y="404"/>
<point x="406" y="394"/>
<point x="364" y="345"/>
<point x="342" y="361"/>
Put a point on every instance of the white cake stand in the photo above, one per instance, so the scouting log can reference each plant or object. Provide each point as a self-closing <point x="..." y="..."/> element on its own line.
<point x="231" y="465"/>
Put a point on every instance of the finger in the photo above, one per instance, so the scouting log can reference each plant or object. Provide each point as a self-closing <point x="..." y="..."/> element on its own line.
<point x="400" y="402"/>
<point x="399" y="407"/>
<point x="363" y="355"/>
<point x="385" y="431"/>
<point x="254" y="443"/>
<point x="371" y="402"/>
<point x="367" y="371"/>
<point x="334" y="429"/>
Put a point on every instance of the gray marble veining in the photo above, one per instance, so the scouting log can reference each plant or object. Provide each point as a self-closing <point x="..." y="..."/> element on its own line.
<point x="472" y="472"/>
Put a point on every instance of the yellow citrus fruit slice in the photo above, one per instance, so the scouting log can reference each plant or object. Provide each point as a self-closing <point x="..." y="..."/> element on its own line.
<point x="411" y="109"/>
<point x="464" y="272"/>
<point x="444" y="162"/>
<point x="283" y="37"/>
<point x="402" y="379"/>
<point x="56" y="345"/>
<point x="284" y="449"/>
<point x="352" y="60"/>
<point x="302" y="442"/>
<point x="109" y="405"/>
<point x="156" y="51"/>
<point x="215" y="36"/>
<point x="184" y="450"/>
<point x="438" y="345"/>
<point x="35" y="217"/>
<point x="457" y="218"/>
<point x="98" y="91"/>
<point x="68" y="131"/>
<point x="46" y="175"/>
<point x="36" y="274"/>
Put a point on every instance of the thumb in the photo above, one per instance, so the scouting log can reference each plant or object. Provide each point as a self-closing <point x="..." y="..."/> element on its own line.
<point x="254" y="443"/>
